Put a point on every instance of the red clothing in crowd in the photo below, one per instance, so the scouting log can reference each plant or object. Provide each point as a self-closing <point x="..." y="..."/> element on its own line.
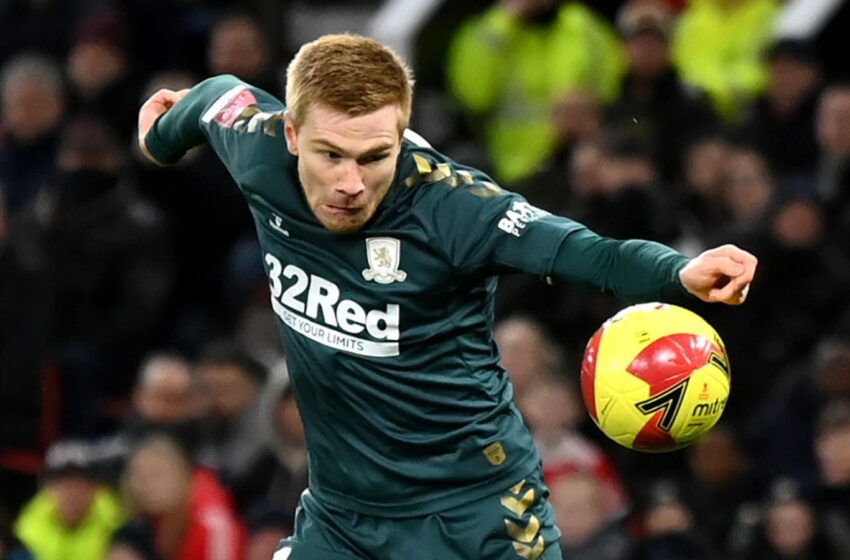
<point x="214" y="531"/>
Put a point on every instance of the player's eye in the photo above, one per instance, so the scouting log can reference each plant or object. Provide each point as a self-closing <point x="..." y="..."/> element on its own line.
<point x="333" y="155"/>
<point x="373" y="158"/>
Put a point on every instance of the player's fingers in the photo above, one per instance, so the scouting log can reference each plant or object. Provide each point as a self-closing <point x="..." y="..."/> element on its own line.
<point x="730" y="293"/>
<point x="723" y="266"/>
<point x="733" y="252"/>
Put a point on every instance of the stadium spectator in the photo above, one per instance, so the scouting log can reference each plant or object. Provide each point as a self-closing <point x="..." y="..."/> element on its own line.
<point x="25" y="312"/>
<point x="166" y="400"/>
<point x="238" y="46"/>
<point x="280" y="475"/>
<point x="527" y="352"/>
<point x="653" y="103"/>
<point x="832" y="447"/>
<point x="790" y="527"/>
<point x="625" y="196"/>
<point x="589" y="528"/>
<point x="833" y="132"/>
<point x="107" y="255"/>
<point x="188" y="510"/>
<point x="552" y="409"/>
<point x="781" y="122"/>
<point x="100" y="72"/>
<point x="74" y="514"/>
<point x="671" y="530"/>
<point x="719" y="45"/>
<point x="722" y="478"/>
<point x="748" y="194"/>
<point x="510" y="65"/>
<point x="700" y="202"/>
<point x="32" y="106"/>
<point x="231" y="383"/>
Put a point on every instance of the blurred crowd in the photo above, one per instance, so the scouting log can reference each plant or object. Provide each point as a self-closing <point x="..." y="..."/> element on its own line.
<point x="145" y="411"/>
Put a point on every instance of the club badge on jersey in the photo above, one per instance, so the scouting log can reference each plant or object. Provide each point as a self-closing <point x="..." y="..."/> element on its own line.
<point x="384" y="254"/>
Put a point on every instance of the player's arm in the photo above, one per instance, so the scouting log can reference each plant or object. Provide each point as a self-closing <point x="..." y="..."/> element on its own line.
<point x="637" y="270"/>
<point x="508" y="233"/>
<point x="170" y="121"/>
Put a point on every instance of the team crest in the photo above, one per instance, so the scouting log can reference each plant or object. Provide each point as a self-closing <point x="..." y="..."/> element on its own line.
<point x="383" y="254"/>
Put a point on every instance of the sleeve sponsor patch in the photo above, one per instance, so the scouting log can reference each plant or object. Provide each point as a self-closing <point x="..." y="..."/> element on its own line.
<point x="519" y="215"/>
<point x="227" y="108"/>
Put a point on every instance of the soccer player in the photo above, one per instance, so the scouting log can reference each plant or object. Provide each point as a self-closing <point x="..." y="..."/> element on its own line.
<point x="382" y="256"/>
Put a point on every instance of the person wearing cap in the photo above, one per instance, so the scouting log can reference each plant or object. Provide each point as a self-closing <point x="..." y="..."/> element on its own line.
<point x="73" y="515"/>
<point x="654" y="105"/>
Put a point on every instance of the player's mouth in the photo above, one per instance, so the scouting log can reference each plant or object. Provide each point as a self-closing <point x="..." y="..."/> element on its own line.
<point x="342" y="210"/>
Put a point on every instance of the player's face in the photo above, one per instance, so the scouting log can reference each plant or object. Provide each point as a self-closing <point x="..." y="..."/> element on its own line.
<point x="346" y="164"/>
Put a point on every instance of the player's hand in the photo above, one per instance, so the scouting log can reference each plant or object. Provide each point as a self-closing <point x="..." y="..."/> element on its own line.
<point x="158" y="104"/>
<point x="722" y="274"/>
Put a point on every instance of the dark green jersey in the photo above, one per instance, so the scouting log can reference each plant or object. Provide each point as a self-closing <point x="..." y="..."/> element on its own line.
<point x="388" y="331"/>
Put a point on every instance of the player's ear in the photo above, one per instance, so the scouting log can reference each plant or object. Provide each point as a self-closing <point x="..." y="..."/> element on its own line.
<point x="291" y="134"/>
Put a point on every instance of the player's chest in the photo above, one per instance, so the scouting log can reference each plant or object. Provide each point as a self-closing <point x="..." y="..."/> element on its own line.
<point x="342" y="278"/>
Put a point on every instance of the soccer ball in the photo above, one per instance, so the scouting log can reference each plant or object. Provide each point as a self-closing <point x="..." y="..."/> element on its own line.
<point x="655" y="377"/>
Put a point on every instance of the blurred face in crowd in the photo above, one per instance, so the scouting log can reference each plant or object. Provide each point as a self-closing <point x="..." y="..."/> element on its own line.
<point x="749" y="186"/>
<point x="705" y="167"/>
<point x="790" y="83"/>
<point x="551" y="409"/>
<point x="798" y="224"/>
<point x="31" y="107"/>
<point x="166" y="392"/>
<point x="228" y="389"/>
<point x="833" y="371"/>
<point x="833" y="451"/>
<point x="74" y="495"/>
<point x="237" y="47"/>
<point x="790" y="527"/>
<point x="579" y="507"/>
<point x="92" y="66"/>
<point x="668" y="519"/>
<point x="716" y="460"/>
<point x="524" y="352"/>
<point x="346" y="164"/>
<point x="648" y="54"/>
<point x="158" y="478"/>
<point x="833" y="122"/>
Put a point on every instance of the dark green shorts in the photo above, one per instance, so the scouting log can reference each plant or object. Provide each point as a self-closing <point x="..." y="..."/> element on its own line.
<point x="515" y="524"/>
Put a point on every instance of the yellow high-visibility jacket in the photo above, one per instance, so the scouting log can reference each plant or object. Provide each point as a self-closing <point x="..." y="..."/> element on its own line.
<point x="511" y="73"/>
<point x="39" y="528"/>
<point x="721" y="50"/>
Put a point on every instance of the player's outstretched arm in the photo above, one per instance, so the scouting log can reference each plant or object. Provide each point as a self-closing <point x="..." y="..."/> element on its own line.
<point x="722" y="274"/>
<point x="156" y="105"/>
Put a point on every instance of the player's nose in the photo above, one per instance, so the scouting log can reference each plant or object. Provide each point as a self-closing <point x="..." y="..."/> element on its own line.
<point x="350" y="182"/>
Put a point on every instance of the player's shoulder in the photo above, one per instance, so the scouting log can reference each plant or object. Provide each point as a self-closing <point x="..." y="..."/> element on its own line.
<point x="237" y="105"/>
<point x="428" y="174"/>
